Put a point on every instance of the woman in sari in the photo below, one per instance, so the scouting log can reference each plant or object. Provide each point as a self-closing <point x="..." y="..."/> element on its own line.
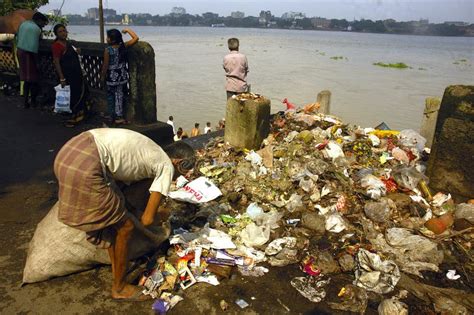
<point x="68" y="68"/>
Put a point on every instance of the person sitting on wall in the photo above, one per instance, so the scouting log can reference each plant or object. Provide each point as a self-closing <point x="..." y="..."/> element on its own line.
<point x="87" y="168"/>
<point x="178" y="134"/>
<point x="195" y="131"/>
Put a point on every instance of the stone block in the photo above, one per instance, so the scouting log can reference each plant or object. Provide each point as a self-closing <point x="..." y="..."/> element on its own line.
<point x="450" y="167"/>
<point x="141" y="107"/>
<point x="324" y="100"/>
<point x="430" y="116"/>
<point x="247" y="122"/>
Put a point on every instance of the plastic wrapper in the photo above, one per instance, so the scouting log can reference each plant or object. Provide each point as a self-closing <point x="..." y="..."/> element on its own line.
<point x="294" y="202"/>
<point x="311" y="288"/>
<point x="392" y="307"/>
<point x="254" y="211"/>
<point x="375" y="274"/>
<point x="335" y="223"/>
<point x="408" y="177"/>
<point x="333" y="150"/>
<point x="375" y="188"/>
<point x="411" y="139"/>
<point x="254" y="235"/>
<point x="412" y="253"/>
<point x="277" y="245"/>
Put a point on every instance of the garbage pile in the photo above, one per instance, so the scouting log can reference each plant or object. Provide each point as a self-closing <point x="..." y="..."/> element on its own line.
<point x="329" y="198"/>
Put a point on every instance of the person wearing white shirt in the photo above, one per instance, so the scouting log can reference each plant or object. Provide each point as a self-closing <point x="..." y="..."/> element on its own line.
<point x="171" y="123"/>
<point x="207" y="129"/>
<point x="87" y="168"/>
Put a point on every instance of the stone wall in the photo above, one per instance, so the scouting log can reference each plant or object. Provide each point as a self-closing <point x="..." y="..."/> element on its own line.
<point x="451" y="164"/>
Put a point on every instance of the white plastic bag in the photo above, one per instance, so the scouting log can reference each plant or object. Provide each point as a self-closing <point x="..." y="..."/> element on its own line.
<point x="200" y="190"/>
<point x="63" y="99"/>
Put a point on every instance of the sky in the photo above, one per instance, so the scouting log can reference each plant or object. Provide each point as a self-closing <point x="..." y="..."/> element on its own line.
<point x="436" y="11"/>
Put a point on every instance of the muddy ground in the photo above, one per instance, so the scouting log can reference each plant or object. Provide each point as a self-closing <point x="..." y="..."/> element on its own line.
<point x="29" y="141"/>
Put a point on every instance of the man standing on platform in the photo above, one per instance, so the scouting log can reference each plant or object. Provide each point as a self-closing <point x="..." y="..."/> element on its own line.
<point x="28" y="37"/>
<point x="236" y="69"/>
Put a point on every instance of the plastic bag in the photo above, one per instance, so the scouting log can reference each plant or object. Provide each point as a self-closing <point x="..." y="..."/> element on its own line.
<point x="392" y="307"/>
<point x="63" y="99"/>
<point x="254" y="235"/>
<point x="408" y="176"/>
<point x="411" y="139"/>
<point x="375" y="188"/>
<point x="376" y="275"/>
<point x="310" y="288"/>
<point x="200" y="190"/>
<point x="412" y="253"/>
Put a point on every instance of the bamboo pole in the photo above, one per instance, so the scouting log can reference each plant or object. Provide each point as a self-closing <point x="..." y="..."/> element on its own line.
<point x="101" y="22"/>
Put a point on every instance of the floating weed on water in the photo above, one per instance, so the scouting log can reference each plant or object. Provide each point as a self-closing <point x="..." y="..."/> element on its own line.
<point x="398" y="65"/>
<point x="422" y="69"/>
<point x="461" y="61"/>
<point x="337" y="57"/>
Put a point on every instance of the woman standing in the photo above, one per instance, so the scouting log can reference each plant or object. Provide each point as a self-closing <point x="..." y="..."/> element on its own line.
<point x="68" y="68"/>
<point x="114" y="72"/>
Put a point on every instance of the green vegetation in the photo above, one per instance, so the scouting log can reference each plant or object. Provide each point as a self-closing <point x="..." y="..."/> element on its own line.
<point x="398" y="65"/>
<point x="338" y="58"/>
<point x="8" y="6"/>
<point x="457" y="62"/>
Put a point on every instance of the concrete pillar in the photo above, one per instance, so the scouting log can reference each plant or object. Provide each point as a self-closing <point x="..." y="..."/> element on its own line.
<point x="452" y="153"/>
<point x="430" y="115"/>
<point x="247" y="123"/>
<point x="324" y="99"/>
<point x="141" y="107"/>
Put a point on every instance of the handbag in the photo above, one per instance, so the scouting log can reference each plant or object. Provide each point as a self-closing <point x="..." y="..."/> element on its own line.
<point x="63" y="99"/>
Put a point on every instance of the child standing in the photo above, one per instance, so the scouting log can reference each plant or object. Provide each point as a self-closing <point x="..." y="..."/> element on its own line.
<point x="115" y="73"/>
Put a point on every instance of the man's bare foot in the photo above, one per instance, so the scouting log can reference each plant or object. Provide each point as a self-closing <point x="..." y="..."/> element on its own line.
<point x="130" y="293"/>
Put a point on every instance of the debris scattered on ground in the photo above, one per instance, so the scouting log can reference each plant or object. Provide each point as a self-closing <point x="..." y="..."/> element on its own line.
<point x="330" y="199"/>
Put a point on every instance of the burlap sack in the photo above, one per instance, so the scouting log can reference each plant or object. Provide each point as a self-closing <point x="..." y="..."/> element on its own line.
<point x="58" y="250"/>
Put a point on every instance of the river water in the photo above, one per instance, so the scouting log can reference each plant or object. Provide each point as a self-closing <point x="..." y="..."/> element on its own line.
<point x="296" y="64"/>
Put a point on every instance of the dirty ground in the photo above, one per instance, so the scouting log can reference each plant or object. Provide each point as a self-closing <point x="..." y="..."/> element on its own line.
<point x="29" y="190"/>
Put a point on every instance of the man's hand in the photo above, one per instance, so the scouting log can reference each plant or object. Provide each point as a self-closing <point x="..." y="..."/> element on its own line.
<point x="146" y="220"/>
<point x="151" y="208"/>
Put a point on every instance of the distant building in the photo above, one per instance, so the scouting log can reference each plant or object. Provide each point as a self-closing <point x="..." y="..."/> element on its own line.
<point x="178" y="11"/>
<point x="293" y="16"/>
<point x="424" y="21"/>
<point x="237" y="15"/>
<point x="210" y="15"/>
<point x="93" y="13"/>
<point x="321" y="23"/>
<point x="456" y="23"/>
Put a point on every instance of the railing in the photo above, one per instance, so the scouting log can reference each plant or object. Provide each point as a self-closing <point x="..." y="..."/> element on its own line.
<point x="141" y="65"/>
<point x="92" y="59"/>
